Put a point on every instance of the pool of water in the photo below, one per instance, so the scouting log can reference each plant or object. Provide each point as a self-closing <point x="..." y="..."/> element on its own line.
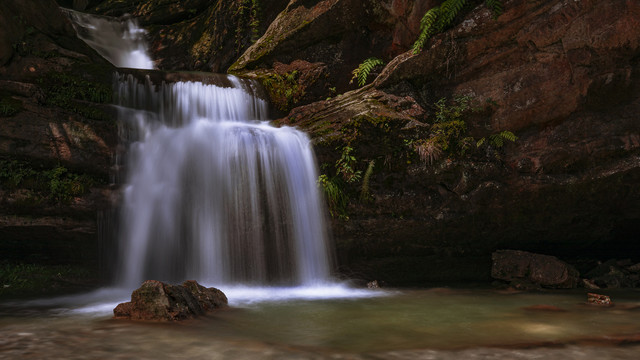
<point x="333" y="323"/>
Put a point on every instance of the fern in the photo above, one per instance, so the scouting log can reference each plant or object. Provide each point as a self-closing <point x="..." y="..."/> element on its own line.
<point x="438" y="18"/>
<point x="497" y="140"/>
<point x="364" y="193"/>
<point x="495" y="6"/>
<point x="363" y="70"/>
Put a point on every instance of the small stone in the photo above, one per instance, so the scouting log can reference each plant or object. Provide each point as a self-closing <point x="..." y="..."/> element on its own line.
<point x="373" y="284"/>
<point x="599" y="299"/>
<point x="589" y="284"/>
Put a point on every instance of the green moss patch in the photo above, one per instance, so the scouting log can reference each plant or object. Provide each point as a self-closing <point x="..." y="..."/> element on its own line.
<point x="44" y="184"/>
<point x="73" y="93"/>
<point x="9" y="106"/>
<point x="19" y="279"/>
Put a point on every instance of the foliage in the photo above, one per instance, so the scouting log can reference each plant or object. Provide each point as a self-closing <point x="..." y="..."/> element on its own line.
<point x="438" y="18"/>
<point x="336" y="198"/>
<point x="284" y="90"/>
<point x="364" y="192"/>
<point x="57" y="184"/>
<point x="364" y="69"/>
<point x="23" y="279"/>
<point x="497" y="140"/>
<point x="449" y="130"/>
<point x="248" y="14"/>
<point x="428" y="150"/>
<point x="69" y="92"/>
<point x="9" y="106"/>
<point x="345" y="166"/>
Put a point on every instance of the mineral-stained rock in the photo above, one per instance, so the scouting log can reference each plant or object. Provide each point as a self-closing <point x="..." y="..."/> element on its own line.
<point x="599" y="299"/>
<point x="158" y="301"/>
<point x="544" y="270"/>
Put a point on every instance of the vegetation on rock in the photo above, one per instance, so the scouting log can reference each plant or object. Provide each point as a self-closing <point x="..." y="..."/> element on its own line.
<point x="361" y="73"/>
<point x="52" y="184"/>
<point x="438" y="18"/>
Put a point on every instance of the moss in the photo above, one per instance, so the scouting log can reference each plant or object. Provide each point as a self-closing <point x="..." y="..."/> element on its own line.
<point x="24" y="279"/>
<point x="284" y="90"/>
<point x="54" y="184"/>
<point x="73" y="92"/>
<point x="9" y="106"/>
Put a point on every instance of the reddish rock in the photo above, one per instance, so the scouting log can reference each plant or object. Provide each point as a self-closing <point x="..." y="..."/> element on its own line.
<point x="599" y="299"/>
<point x="543" y="270"/>
<point x="158" y="301"/>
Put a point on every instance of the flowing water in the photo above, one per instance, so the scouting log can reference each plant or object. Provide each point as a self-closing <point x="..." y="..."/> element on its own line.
<point x="214" y="192"/>
<point x="420" y="324"/>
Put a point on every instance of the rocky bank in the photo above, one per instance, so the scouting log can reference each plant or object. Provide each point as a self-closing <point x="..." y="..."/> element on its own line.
<point x="560" y="75"/>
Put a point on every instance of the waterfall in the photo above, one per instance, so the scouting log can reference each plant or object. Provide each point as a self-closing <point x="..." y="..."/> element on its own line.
<point x="119" y="40"/>
<point x="213" y="192"/>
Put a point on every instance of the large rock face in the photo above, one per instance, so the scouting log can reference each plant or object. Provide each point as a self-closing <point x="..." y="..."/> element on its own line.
<point x="562" y="75"/>
<point x="158" y="301"/>
<point x="57" y="137"/>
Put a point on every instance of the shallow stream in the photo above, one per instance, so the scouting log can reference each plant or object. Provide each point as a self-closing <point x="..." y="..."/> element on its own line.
<point x="333" y="323"/>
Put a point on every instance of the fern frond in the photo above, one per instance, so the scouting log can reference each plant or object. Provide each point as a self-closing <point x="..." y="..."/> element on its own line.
<point x="363" y="70"/>
<point x="364" y="193"/>
<point x="427" y="28"/>
<point x="495" y="6"/>
<point x="449" y="10"/>
<point x="508" y="135"/>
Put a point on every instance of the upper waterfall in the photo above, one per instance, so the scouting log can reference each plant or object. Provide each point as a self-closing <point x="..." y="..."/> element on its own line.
<point x="121" y="41"/>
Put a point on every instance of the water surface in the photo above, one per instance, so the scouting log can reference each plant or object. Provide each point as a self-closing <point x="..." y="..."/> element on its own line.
<point x="346" y="324"/>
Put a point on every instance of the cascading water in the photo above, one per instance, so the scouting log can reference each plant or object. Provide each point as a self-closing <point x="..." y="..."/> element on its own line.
<point x="121" y="41"/>
<point x="213" y="192"/>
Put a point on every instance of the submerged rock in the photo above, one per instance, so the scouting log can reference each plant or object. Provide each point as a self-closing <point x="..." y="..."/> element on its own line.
<point x="155" y="300"/>
<point x="542" y="270"/>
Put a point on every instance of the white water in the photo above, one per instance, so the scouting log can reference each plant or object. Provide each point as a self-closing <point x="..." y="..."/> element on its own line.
<point x="121" y="41"/>
<point x="214" y="192"/>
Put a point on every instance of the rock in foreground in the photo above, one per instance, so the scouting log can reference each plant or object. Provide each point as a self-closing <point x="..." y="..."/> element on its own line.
<point x="543" y="270"/>
<point x="155" y="300"/>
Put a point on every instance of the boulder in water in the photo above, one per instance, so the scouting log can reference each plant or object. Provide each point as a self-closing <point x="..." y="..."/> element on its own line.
<point x="155" y="300"/>
<point x="543" y="270"/>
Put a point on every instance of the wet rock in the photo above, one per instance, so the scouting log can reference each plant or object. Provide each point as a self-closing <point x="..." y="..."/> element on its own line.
<point x="598" y="299"/>
<point x="373" y="284"/>
<point x="543" y="270"/>
<point x="158" y="301"/>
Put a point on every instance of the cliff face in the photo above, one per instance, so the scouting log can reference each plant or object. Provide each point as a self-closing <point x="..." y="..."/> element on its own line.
<point x="561" y="75"/>
<point x="57" y="137"/>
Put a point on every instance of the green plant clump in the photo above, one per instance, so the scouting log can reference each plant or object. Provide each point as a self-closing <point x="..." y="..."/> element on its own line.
<point x="57" y="185"/>
<point x="9" y="106"/>
<point x="364" y="69"/>
<point x="438" y="18"/>
<point x="24" y="279"/>
<point x="69" y="92"/>
<point x="284" y="90"/>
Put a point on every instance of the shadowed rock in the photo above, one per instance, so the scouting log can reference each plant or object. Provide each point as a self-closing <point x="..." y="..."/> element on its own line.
<point x="158" y="301"/>
<point x="542" y="270"/>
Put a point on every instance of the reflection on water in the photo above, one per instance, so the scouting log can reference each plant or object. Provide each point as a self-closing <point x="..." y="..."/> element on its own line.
<point x="289" y="323"/>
